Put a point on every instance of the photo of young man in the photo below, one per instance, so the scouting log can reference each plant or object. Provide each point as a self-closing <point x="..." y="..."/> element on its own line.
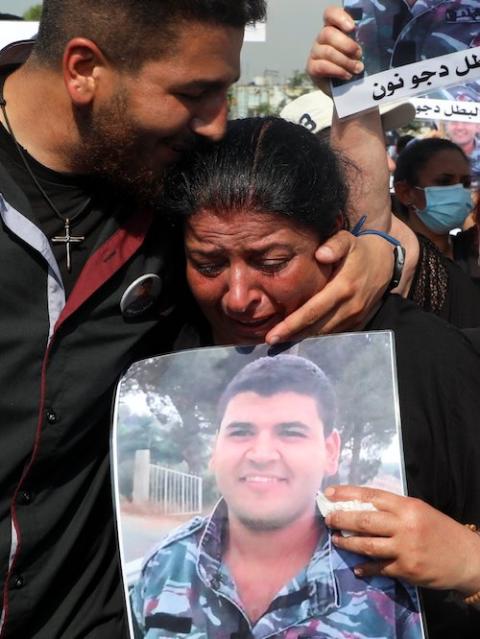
<point x="262" y="563"/>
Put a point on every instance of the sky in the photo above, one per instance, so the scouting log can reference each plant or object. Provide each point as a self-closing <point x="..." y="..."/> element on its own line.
<point x="291" y="28"/>
<point x="16" y="6"/>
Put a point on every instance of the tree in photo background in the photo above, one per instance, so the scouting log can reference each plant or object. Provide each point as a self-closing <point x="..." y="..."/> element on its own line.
<point x="178" y="396"/>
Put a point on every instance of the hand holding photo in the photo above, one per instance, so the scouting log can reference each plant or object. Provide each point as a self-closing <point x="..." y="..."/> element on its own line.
<point x="221" y="456"/>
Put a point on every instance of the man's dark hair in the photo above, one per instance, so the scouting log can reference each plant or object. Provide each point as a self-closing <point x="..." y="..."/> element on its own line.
<point x="131" y="32"/>
<point x="416" y="155"/>
<point x="262" y="165"/>
<point x="269" y="376"/>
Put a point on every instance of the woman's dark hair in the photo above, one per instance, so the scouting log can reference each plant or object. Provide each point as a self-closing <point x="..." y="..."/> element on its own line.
<point x="265" y="165"/>
<point x="402" y="142"/>
<point x="416" y="155"/>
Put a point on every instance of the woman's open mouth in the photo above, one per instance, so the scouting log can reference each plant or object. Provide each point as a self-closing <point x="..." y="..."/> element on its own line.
<point x="255" y="327"/>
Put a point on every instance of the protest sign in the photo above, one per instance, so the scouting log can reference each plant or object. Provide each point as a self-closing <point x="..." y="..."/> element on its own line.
<point x="209" y="437"/>
<point x="454" y="113"/>
<point x="411" y="49"/>
<point x="430" y="109"/>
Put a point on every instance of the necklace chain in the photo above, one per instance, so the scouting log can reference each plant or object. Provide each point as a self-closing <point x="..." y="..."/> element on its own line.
<point x="67" y="238"/>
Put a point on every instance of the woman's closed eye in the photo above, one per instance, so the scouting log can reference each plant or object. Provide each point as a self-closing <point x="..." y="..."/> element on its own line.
<point x="271" y="265"/>
<point x="210" y="268"/>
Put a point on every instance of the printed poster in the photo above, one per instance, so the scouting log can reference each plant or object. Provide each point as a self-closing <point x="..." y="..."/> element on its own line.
<point x="454" y="114"/>
<point x="411" y="48"/>
<point x="223" y="452"/>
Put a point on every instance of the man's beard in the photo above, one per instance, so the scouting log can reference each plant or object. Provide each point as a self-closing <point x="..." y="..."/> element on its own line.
<point x="263" y="525"/>
<point x="110" y="149"/>
<point x="273" y="522"/>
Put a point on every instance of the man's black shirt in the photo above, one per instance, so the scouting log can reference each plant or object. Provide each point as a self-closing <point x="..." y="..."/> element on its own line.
<point x="69" y="193"/>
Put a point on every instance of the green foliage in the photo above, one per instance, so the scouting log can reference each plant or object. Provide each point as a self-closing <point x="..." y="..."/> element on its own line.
<point x="299" y="79"/>
<point x="33" y="13"/>
<point x="263" y="110"/>
<point x="366" y="415"/>
<point x="191" y="381"/>
<point x="182" y="392"/>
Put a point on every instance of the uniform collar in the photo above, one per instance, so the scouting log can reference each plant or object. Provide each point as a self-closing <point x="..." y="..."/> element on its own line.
<point x="317" y="581"/>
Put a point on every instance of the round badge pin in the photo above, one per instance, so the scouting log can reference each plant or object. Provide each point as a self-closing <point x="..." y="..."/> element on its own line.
<point x="141" y="295"/>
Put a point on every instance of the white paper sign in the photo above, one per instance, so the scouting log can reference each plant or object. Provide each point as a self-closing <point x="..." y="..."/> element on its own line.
<point x="13" y="30"/>
<point x="256" y="32"/>
<point x="410" y="80"/>
<point x="460" y="111"/>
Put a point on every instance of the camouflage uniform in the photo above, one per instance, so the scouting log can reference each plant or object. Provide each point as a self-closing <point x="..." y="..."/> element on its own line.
<point x="186" y="591"/>
<point x="438" y="28"/>
<point x="392" y="33"/>
<point x="380" y="23"/>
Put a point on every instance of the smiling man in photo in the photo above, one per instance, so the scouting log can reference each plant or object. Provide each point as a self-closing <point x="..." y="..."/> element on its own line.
<point x="262" y="564"/>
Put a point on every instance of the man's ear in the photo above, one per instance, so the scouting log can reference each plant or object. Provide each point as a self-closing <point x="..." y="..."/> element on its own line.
<point x="332" y="452"/>
<point x="83" y="66"/>
<point x="403" y="191"/>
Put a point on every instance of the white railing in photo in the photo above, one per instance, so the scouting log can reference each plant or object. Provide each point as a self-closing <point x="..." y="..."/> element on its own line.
<point x="176" y="493"/>
<point x="170" y="492"/>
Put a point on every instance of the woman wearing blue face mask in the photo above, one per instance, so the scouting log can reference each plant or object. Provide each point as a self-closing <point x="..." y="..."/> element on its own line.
<point x="432" y="183"/>
<point x="432" y="189"/>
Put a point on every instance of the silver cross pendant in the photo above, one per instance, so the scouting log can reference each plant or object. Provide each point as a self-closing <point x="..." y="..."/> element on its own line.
<point x="68" y="239"/>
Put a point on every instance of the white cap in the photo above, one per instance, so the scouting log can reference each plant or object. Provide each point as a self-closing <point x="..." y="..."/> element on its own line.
<point x="315" y="111"/>
<point x="16" y="52"/>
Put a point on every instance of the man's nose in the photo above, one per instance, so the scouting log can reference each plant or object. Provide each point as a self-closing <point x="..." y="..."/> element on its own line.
<point x="211" y="121"/>
<point x="263" y="450"/>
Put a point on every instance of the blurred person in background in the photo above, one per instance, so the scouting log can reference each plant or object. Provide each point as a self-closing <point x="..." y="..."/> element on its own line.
<point x="432" y="182"/>
<point x="433" y="186"/>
